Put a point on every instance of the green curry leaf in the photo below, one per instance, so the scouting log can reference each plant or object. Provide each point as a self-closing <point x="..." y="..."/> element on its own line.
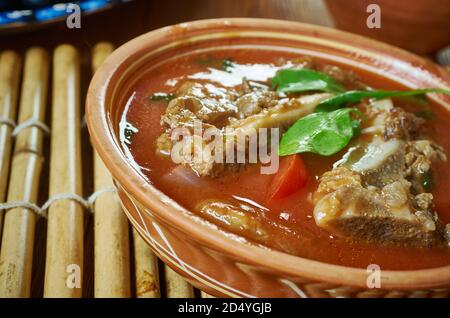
<point x="227" y="64"/>
<point x="303" y="80"/>
<point x="427" y="180"/>
<point x="321" y="133"/>
<point x="352" y="97"/>
<point x="162" y="97"/>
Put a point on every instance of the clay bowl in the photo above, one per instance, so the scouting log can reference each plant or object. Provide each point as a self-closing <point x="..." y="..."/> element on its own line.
<point x="219" y="262"/>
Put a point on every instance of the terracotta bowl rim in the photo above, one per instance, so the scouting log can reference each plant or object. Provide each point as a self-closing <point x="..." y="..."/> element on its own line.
<point x="172" y="213"/>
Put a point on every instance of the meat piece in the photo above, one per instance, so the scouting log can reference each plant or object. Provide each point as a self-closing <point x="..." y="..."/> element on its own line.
<point x="204" y="105"/>
<point x="376" y="113"/>
<point x="391" y="152"/>
<point x="254" y="102"/>
<point x="180" y="113"/>
<point x="376" y="193"/>
<point x="251" y="86"/>
<point x="390" y="215"/>
<point x="207" y="103"/>
<point x="402" y="125"/>
<point x="420" y="155"/>
<point x="226" y="116"/>
<point x="242" y="219"/>
<point x="391" y="122"/>
<point x="379" y="162"/>
<point x="283" y="115"/>
<point x="348" y="78"/>
<point x="248" y="221"/>
<point x="380" y="190"/>
<point x="246" y="87"/>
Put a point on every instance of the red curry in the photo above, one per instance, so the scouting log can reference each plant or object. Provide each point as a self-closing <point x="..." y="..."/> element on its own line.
<point x="294" y="229"/>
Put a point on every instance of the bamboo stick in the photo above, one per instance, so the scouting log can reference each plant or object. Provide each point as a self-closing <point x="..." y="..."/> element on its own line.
<point x="16" y="257"/>
<point x="9" y="82"/>
<point x="176" y="286"/>
<point x="146" y="269"/>
<point x="64" y="261"/>
<point x="111" y="242"/>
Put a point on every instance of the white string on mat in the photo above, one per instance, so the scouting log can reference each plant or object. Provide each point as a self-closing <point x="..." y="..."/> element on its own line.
<point x="27" y="123"/>
<point x="8" y="122"/>
<point x="31" y="123"/>
<point x="42" y="211"/>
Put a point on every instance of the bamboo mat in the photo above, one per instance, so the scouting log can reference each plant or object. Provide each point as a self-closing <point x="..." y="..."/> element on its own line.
<point x="64" y="251"/>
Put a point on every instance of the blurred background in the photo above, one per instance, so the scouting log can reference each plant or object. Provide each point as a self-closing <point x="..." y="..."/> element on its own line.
<point x="421" y="26"/>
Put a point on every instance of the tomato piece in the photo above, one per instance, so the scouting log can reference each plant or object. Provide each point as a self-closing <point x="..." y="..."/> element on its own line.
<point x="292" y="175"/>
